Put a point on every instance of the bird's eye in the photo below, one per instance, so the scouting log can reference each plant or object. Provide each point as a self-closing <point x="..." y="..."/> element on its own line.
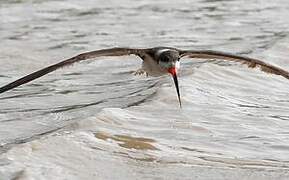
<point x="165" y="59"/>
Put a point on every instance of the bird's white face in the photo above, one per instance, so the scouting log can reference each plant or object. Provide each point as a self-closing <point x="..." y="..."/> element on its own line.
<point x="171" y="63"/>
<point x="177" y="64"/>
<point x="169" y="60"/>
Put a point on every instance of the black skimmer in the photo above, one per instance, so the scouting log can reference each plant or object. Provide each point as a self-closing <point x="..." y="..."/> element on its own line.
<point x="157" y="61"/>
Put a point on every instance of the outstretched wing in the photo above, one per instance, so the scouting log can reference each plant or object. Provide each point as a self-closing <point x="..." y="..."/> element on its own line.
<point x="252" y="63"/>
<point x="70" y="61"/>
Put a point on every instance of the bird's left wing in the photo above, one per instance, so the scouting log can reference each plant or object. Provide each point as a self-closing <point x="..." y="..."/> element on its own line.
<point x="252" y="63"/>
<point x="70" y="61"/>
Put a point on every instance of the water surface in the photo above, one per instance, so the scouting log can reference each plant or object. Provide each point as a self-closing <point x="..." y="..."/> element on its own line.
<point x="97" y="120"/>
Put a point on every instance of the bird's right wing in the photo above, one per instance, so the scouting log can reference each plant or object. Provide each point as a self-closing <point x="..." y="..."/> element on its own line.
<point x="70" y="61"/>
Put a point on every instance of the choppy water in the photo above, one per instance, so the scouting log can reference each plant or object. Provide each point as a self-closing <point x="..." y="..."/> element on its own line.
<point x="97" y="121"/>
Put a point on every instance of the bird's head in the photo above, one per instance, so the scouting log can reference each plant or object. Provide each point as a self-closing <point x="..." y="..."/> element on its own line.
<point x="169" y="60"/>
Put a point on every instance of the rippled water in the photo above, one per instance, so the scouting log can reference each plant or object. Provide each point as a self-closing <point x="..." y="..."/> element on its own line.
<point x="97" y="121"/>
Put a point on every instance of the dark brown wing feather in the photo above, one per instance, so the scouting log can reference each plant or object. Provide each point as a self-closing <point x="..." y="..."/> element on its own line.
<point x="70" y="61"/>
<point x="252" y="63"/>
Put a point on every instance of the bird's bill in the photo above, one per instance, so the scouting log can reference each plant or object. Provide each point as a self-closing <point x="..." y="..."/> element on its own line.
<point x="173" y="72"/>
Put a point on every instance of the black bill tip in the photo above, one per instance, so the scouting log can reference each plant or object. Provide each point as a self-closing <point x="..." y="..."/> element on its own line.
<point x="177" y="88"/>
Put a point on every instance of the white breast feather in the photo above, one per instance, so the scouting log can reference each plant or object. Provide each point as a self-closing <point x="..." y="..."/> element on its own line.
<point x="152" y="67"/>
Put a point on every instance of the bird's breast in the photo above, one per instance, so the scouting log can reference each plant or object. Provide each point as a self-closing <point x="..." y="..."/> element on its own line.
<point x="152" y="67"/>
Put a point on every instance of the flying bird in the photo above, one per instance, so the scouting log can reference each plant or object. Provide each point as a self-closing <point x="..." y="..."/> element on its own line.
<point x="156" y="61"/>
